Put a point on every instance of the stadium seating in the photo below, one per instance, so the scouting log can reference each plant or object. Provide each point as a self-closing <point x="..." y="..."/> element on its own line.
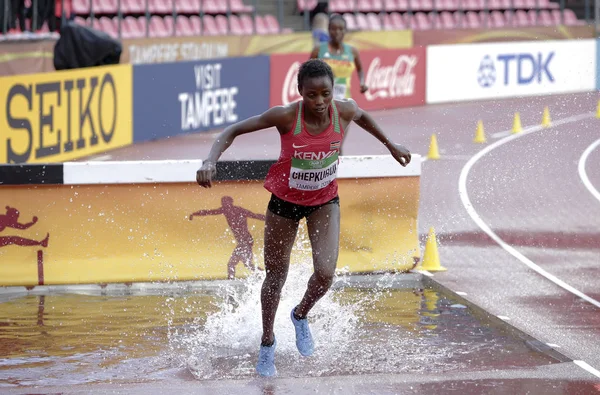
<point x="222" y="17"/>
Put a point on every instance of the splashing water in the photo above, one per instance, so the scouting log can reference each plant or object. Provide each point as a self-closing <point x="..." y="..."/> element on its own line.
<point x="227" y="344"/>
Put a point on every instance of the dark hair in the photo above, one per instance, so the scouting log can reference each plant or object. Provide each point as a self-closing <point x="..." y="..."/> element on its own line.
<point x="333" y="17"/>
<point x="314" y="68"/>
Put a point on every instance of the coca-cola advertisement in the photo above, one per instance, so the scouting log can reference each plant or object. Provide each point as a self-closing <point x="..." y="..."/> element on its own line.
<point x="284" y="77"/>
<point x="395" y="78"/>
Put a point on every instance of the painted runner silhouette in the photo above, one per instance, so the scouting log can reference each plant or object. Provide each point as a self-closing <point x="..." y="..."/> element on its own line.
<point x="237" y="219"/>
<point x="11" y="220"/>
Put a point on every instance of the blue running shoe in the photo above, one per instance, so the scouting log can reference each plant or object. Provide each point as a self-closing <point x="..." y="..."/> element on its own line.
<point x="304" y="340"/>
<point x="266" y="360"/>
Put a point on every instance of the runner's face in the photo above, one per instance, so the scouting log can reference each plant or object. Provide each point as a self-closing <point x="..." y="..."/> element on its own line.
<point x="317" y="94"/>
<point x="337" y="29"/>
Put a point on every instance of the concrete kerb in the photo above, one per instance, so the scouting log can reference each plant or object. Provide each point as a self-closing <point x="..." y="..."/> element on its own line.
<point x="479" y="312"/>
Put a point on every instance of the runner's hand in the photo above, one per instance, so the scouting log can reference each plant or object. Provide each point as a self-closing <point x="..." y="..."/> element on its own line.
<point x="401" y="154"/>
<point x="205" y="174"/>
<point x="363" y="88"/>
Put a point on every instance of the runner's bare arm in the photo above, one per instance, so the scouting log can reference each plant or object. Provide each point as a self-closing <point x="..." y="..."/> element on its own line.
<point x="315" y="53"/>
<point x="359" y="70"/>
<point x="279" y="116"/>
<point x="352" y="112"/>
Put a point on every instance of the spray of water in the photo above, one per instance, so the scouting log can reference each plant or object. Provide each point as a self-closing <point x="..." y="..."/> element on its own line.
<point x="226" y="344"/>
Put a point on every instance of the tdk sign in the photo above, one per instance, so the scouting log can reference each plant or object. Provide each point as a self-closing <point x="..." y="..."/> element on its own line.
<point x="519" y="69"/>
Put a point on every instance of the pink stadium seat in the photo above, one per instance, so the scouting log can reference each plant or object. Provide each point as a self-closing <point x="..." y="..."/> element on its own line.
<point x="426" y="5"/>
<point x="421" y="21"/>
<point x="497" y="19"/>
<point x="235" y="26"/>
<point x="98" y="6"/>
<point x="261" y="26"/>
<point x="415" y="5"/>
<point x="495" y="5"/>
<point x="272" y="24"/>
<point x="521" y="18"/>
<point x="134" y="6"/>
<point x="108" y="26"/>
<point x="472" y="20"/>
<point x="306" y="5"/>
<point x="472" y="5"/>
<point x="374" y="21"/>
<point x="81" y="7"/>
<point x="157" y="27"/>
<point x="210" y="26"/>
<point x="209" y="7"/>
<point x="131" y="27"/>
<point x="388" y="23"/>
<point x="446" y="21"/>
<point x="364" y="6"/>
<point x="183" y="28"/>
<point x="361" y="21"/>
<point x="552" y="4"/>
<point x="341" y="6"/>
<point x="222" y="24"/>
<point x="187" y="6"/>
<point x="247" y="24"/>
<point x="81" y="21"/>
<point x="196" y="24"/>
<point x="163" y="7"/>
<point x="169" y="24"/>
<point x="400" y="21"/>
<point x="519" y="4"/>
<point x="570" y="18"/>
<point x="545" y="18"/>
<point x="238" y="6"/>
<point x="390" y="5"/>
<point x="350" y="21"/>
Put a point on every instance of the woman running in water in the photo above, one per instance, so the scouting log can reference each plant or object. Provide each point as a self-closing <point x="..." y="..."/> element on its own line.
<point x="342" y="58"/>
<point x="303" y="185"/>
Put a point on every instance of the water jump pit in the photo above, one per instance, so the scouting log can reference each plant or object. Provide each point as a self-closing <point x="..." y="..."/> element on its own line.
<point x="198" y="331"/>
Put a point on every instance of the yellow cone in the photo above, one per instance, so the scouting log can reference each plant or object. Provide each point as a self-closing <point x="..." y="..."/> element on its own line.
<point x="433" y="148"/>
<point x="517" y="128"/>
<point x="598" y="110"/>
<point x="479" y="133"/>
<point x="431" y="257"/>
<point x="546" y="122"/>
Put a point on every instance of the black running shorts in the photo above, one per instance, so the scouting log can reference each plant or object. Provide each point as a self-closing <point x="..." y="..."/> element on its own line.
<point x="295" y="211"/>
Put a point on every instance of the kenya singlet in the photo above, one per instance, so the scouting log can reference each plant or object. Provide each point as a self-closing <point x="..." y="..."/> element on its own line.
<point x="306" y="170"/>
<point x="342" y="66"/>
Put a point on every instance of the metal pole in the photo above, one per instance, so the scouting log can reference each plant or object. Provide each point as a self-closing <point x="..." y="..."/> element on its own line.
<point x="486" y="18"/>
<point x="7" y="9"/>
<point x="91" y="13"/>
<point x="119" y="18"/>
<point x="34" y="19"/>
<point x="562" y="12"/>
<point x="254" y="16"/>
<point x="279" y="12"/>
<point x="306" y="19"/>
<point x="174" y="18"/>
<point x="587" y="11"/>
<point x="596" y="16"/>
<point x="147" y="19"/>
<point x="201" y="14"/>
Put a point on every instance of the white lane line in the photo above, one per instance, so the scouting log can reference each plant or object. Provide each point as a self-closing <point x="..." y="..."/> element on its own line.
<point x="583" y="174"/>
<point x="587" y="367"/>
<point x="464" y="196"/>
